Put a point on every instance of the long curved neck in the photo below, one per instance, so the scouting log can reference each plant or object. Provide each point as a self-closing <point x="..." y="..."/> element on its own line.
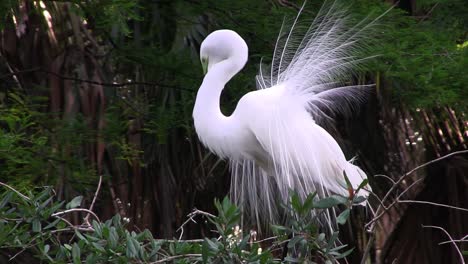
<point x="214" y="128"/>
<point x="209" y="94"/>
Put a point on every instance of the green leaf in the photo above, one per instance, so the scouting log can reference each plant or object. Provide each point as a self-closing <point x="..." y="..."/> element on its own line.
<point x="213" y="245"/>
<point x="42" y="195"/>
<point x="113" y="237"/>
<point x="105" y="232"/>
<point x="363" y="184"/>
<point x="36" y="225"/>
<point x="6" y="199"/>
<point x="205" y="252"/>
<point x="244" y="241"/>
<point x="131" y="251"/>
<point x="55" y="207"/>
<point x="291" y="260"/>
<point x="309" y="202"/>
<point x="334" y="251"/>
<point x="345" y="254"/>
<point x="91" y="259"/>
<point x="76" y="254"/>
<point x="296" y="202"/>
<point x="46" y="248"/>
<point x="321" y="237"/>
<point x="330" y="202"/>
<point x="137" y="246"/>
<point x="331" y="242"/>
<point x="278" y="229"/>
<point x="44" y="204"/>
<point x="52" y="224"/>
<point x="117" y="220"/>
<point x="348" y="183"/>
<point x="155" y="247"/>
<point x="97" y="228"/>
<point x="98" y="246"/>
<point x="294" y="241"/>
<point x="343" y="217"/>
<point x="75" y="202"/>
<point x="359" y="199"/>
<point x="81" y="237"/>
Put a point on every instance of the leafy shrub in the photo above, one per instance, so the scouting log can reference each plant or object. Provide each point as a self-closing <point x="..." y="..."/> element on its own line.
<point x="38" y="223"/>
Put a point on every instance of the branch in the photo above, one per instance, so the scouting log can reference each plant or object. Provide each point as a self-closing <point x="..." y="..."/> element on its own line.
<point x="114" y="84"/>
<point x="190" y="216"/>
<point x="394" y="186"/>
<point x="164" y="260"/>
<point x="461" y="240"/>
<point x="381" y="210"/>
<point x="73" y="228"/>
<point x="86" y="219"/>
<point x="435" y="204"/>
<point x="385" y="209"/>
<point x="420" y="167"/>
<point x="16" y="191"/>
<point x="450" y="239"/>
<point x="77" y="210"/>
<point x="179" y="241"/>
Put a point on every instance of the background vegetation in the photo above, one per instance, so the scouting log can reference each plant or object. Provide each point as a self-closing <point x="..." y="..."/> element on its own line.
<point x="101" y="92"/>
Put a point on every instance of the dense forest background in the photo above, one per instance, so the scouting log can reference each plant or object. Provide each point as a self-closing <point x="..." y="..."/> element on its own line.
<point x="102" y="92"/>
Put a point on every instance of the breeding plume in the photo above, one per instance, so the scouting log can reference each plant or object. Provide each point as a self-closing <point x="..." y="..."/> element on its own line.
<point x="272" y="139"/>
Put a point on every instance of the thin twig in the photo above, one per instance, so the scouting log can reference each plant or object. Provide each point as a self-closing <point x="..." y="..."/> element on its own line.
<point x="420" y="167"/>
<point x="455" y="240"/>
<point x="379" y="209"/>
<point x="65" y="220"/>
<point x="180" y="241"/>
<point x="86" y="219"/>
<point x="16" y="191"/>
<point x="164" y="260"/>
<point x="266" y="239"/>
<point x="199" y="212"/>
<point x="435" y="204"/>
<point x="385" y="209"/>
<point x="387" y="195"/>
<point x="74" y="228"/>
<point x="190" y="216"/>
<point x="24" y="248"/>
<point x="77" y="210"/>
<point x="30" y="245"/>
<point x="386" y="177"/>
<point x="451" y="239"/>
<point x="369" y="244"/>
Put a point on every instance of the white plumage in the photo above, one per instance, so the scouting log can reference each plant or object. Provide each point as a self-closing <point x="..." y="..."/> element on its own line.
<point x="272" y="139"/>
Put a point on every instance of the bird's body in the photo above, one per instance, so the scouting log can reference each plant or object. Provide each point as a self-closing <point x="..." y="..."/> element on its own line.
<point x="271" y="139"/>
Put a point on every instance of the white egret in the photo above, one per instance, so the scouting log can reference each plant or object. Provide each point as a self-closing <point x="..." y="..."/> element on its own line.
<point x="272" y="139"/>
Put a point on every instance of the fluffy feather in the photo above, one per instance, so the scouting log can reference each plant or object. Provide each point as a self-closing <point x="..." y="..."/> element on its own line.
<point x="272" y="139"/>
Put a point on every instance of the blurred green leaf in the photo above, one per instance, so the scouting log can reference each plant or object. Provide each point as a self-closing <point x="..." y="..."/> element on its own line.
<point x="343" y="217"/>
<point x="74" y="203"/>
<point x="76" y="254"/>
<point x="330" y="202"/>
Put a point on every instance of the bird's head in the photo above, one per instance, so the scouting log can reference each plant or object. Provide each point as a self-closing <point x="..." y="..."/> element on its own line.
<point x="222" y="45"/>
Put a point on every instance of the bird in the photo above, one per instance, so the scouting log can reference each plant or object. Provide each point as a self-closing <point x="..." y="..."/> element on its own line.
<point x="273" y="140"/>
